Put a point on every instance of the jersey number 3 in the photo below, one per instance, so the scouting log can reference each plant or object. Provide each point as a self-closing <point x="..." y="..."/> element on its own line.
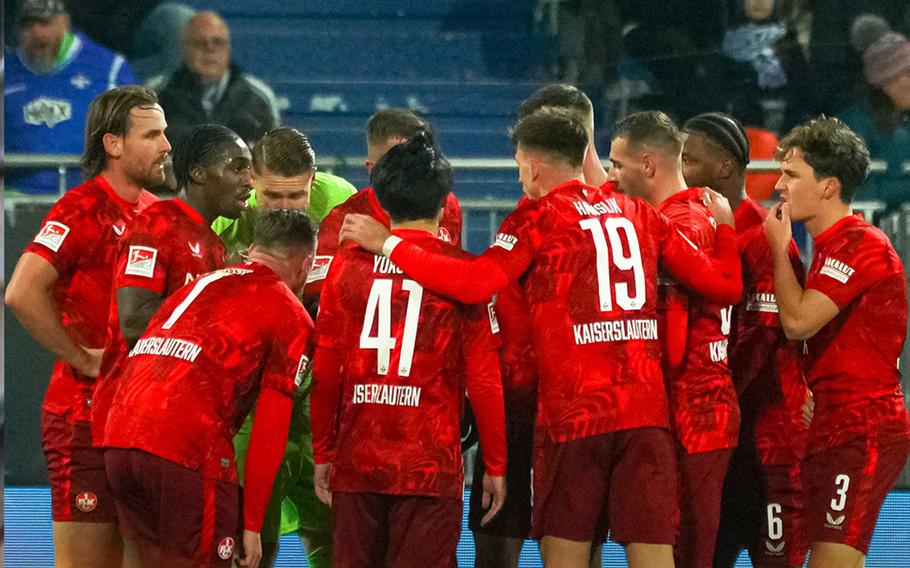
<point x="379" y="312"/>
<point x="609" y="246"/>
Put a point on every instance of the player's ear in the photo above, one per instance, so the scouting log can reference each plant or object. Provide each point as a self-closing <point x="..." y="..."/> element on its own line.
<point x="113" y="144"/>
<point x="649" y="165"/>
<point x="831" y="188"/>
<point x="725" y="169"/>
<point x="198" y="175"/>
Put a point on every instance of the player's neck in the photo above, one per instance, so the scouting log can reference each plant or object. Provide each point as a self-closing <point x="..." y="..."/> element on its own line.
<point x="829" y="214"/>
<point x="666" y="186"/>
<point x="428" y="225"/>
<point x="122" y="184"/>
<point x="735" y="192"/>
<point x="196" y="200"/>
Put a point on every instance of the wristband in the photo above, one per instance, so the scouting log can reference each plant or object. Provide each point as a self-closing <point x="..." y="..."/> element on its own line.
<point x="389" y="245"/>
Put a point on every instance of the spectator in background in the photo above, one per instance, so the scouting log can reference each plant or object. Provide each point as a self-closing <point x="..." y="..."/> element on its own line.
<point x="51" y="79"/>
<point x="881" y="119"/>
<point x="208" y="87"/>
<point x="764" y="64"/>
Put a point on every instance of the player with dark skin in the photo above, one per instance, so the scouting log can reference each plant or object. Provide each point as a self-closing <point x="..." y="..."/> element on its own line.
<point x="217" y="185"/>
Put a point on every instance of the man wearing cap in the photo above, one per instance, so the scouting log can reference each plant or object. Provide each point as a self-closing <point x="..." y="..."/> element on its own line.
<point x="51" y="78"/>
<point x="762" y="506"/>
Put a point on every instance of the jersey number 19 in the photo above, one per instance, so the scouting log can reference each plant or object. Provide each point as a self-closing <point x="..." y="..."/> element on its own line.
<point x="609" y="246"/>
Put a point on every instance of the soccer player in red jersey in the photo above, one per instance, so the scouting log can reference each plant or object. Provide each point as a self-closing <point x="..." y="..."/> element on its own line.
<point x="186" y="387"/>
<point x="390" y="372"/>
<point x="852" y="313"/>
<point x="171" y="243"/>
<point x="385" y="129"/>
<point x="645" y="154"/>
<point x="588" y="259"/>
<point x="762" y="500"/>
<point x="61" y="292"/>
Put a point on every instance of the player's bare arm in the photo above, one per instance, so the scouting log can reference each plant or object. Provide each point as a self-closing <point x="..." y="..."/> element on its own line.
<point x="802" y="312"/>
<point x="365" y="231"/>
<point x="135" y="308"/>
<point x="30" y="296"/>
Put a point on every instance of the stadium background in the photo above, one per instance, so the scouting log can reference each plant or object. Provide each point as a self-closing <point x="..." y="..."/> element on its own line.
<point x="466" y="65"/>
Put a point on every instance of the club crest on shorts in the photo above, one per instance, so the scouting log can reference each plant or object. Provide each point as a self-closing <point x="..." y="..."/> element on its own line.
<point x="141" y="261"/>
<point x="226" y="548"/>
<point x="86" y="501"/>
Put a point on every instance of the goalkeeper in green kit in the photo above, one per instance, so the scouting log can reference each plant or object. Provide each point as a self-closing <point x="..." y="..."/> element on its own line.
<point x="286" y="177"/>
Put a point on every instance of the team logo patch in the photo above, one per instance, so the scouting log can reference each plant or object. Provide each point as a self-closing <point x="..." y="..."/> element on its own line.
<point x="320" y="269"/>
<point x="226" y="548"/>
<point x="86" y="501"/>
<point x="119" y="228"/>
<point x="302" y="368"/>
<point x="141" y="261"/>
<point x="505" y="241"/>
<point x="52" y="235"/>
<point x="837" y="270"/>
<point x="44" y="110"/>
<point x="443" y="235"/>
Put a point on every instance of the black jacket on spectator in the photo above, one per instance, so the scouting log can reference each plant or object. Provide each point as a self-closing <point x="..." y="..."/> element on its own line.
<point x="247" y="106"/>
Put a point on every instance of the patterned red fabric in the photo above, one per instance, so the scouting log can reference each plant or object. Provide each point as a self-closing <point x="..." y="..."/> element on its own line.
<point x="192" y="378"/>
<point x="762" y="360"/>
<point x="364" y="202"/>
<point x="703" y="405"/>
<point x="852" y="361"/>
<point x="389" y="419"/>
<point x="79" y="238"/>
<point x="167" y="246"/>
<point x="588" y="259"/>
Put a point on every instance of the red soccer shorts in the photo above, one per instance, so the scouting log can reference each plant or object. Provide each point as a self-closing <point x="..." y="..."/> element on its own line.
<point x="622" y="481"/>
<point x="846" y="486"/>
<point x="372" y="529"/>
<point x="193" y="520"/>
<point x="701" y="485"/>
<point x="80" y="492"/>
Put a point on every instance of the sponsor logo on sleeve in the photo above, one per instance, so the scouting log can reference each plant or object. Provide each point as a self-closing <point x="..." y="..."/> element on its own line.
<point x="226" y="548"/>
<point x="320" y="269"/>
<point x="505" y="241"/>
<point x="52" y="235"/>
<point x="141" y="261"/>
<point x="302" y="368"/>
<point x="837" y="270"/>
<point x="762" y="302"/>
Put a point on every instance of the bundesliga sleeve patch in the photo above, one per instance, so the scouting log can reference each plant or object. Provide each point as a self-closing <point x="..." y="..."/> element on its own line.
<point x="505" y="241"/>
<point x="52" y="235"/>
<point x="320" y="269"/>
<point x="141" y="261"/>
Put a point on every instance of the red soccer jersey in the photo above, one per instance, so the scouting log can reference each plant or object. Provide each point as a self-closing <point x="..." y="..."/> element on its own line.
<point x="589" y="257"/>
<point x="79" y="238"/>
<point x="405" y="353"/>
<point x="852" y="361"/>
<point x="703" y="405"/>
<point x="167" y="246"/>
<point x="764" y="364"/>
<point x="364" y="202"/>
<point x="519" y="369"/>
<point x="190" y="381"/>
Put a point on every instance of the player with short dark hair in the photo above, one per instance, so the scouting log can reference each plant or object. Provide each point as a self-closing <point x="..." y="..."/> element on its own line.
<point x="852" y="313"/>
<point x="762" y="500"/>
<point x="61" y="293"/>
<point x="185" y="388"/>
<point x="645" y="153"/>
<point x="170" y="244"/>
<point x="587" y="258"/>
<point x="391" y="368"/>
<point x="385" y="129"/>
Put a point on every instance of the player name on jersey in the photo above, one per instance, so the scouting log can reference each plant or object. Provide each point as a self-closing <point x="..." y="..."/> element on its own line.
<point x="718" y="350"/>
<point x="391" y="395"/>
<point x="621" y="330"/>
<point x="177" y="348"/>
<point x="601" y="208"/>
<point x="382" y="265"/>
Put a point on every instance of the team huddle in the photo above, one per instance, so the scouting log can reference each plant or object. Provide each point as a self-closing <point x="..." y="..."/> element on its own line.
<point x="644" y="359"/>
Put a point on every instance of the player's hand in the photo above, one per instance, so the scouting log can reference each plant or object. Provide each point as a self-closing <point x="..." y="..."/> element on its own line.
<point x="719" y="206"/>
<point x="365" y="231"/>
<point x="777" y="227"/>
<point x="90" y="364"/>
<point x="808" y="409"/>
<point x="252" y="551"/>
<point x="494" y="495"/>
<point x="321" y="475"/>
